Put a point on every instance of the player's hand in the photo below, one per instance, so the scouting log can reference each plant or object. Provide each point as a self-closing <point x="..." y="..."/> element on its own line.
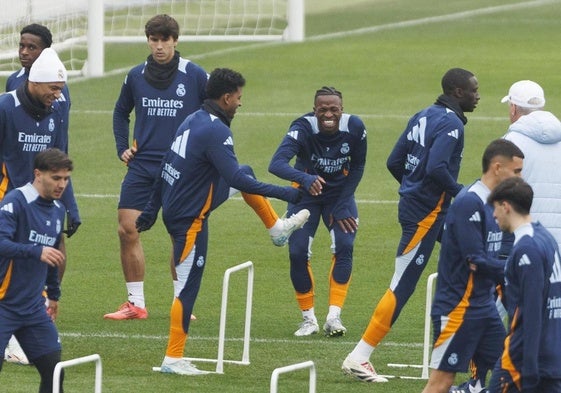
<point x="472" y="266"/>
<point x="128" y="155"/>
<point x="72" y="225"/>
<point x="52" y="256"/>
<point x="52" y="309"/>
<point x="349" y="224"/>
<point x="317" y="186"/>
<point x="145" y="221"/>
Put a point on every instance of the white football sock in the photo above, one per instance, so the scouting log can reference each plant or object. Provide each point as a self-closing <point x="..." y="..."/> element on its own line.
<point x="362" y="352"/>
<point x="276" y="229"/>
<point x="177" y="287"/>
<point x="170" y="360"/>
<point x="334" y="312"/>
<point x="309" y="314"/>
<point x="136" y="293"/>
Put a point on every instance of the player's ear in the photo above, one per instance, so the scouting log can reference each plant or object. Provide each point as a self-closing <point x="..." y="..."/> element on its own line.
<point x="458" y="92"/>
<point x="226" y="98"/>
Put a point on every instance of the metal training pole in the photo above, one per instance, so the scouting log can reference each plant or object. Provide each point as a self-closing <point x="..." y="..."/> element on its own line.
<point x="74" y="362"/>
<point x="294" y="367"/>
<point x="223" y="311"/>
<point x="426" y="336"/>
<point x="426" y="340"/>
<point x="249" y="301"/>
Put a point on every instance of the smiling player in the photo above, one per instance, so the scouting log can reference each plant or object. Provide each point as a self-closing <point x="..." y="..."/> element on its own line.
<point x="31" y="223"/>
<point x="330" y="151"/>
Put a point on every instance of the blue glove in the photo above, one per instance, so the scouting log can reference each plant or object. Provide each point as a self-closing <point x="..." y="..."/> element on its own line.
<point x="294" y="194"/>
<point x="72" y="224"/>
<point x="145" y="221"/>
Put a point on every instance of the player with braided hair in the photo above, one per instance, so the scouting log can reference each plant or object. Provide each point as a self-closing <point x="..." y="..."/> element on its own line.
<point x="330" y="150"/>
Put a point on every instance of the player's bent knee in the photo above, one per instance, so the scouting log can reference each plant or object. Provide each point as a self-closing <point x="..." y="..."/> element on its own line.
<point x="128" y="234"/>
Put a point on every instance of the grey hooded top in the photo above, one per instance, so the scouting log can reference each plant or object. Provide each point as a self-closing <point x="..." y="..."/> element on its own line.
<point x="538" y="135"/>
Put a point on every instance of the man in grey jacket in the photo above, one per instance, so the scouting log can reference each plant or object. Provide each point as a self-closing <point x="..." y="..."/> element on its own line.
<point x="538" y="134"/>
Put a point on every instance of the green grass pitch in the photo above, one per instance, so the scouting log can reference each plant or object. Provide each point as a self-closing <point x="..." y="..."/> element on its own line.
<point x="387" y="57"/>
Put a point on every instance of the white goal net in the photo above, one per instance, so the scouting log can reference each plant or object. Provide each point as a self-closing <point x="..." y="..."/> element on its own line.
<point x="81" y="27"/>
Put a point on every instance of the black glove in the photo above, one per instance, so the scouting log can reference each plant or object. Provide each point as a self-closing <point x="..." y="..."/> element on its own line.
<point x="145" y="221"/>
<point x="72" y="224"/>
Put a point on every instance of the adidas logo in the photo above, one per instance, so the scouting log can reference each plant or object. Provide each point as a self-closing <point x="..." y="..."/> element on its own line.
<point x="454" y="133"/>
<point x="468" y="388"/>
<point x="556" y="274"/>
<point x="524" y="261"/>
<point x="8" y="207"/>
<point x="229" y="141"/>
<point x="293" y="134"/>
<point x="417" y="133"/>
<point x="179" y="145"/>
<point x="476" y="217"/>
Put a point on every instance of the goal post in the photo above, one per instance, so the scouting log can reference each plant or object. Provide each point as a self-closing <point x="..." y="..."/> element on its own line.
<point x="96" y="44"/>
<point x="81" y="28"/>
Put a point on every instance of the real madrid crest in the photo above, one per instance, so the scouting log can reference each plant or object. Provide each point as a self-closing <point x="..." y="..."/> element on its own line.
<point x="453" y="359"/>
<point x="180" y="90"/>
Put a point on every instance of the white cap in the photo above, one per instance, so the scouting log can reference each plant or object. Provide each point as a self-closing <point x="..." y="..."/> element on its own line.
<point x="526" y="94"/>
<point x="47" y="68"/>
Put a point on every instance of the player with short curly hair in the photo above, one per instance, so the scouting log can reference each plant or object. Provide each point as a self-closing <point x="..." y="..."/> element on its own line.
<point x="198" y="173"/>
<point x="426" y="163"/>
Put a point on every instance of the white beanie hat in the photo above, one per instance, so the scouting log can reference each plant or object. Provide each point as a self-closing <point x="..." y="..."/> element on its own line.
<point x="47" y="68"/>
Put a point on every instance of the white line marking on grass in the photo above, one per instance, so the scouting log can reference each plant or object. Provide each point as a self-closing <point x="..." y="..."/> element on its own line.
<point x="98" y="196"/>
<point x="294" y="115"/>
<point x="433" y="19"/>
<point x="377" y="202"/>
<point x="115" y="196"/>
<point x="232" y="339"/>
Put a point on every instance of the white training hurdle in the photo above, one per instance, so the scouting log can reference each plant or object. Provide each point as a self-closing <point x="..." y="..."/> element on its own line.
<point x="426" y="337"/>
<point x="74" y="362"/>
<point x="222" y="330"/>
<point x="294" y="367"/>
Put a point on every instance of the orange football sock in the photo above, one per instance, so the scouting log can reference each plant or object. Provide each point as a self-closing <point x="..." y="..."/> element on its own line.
<point x="306" y="300"/>
<point x="337" y="291"/>
<point x="381" y="320"/>
<point x="262" y="207"/>
<point x="177" y="336"/>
